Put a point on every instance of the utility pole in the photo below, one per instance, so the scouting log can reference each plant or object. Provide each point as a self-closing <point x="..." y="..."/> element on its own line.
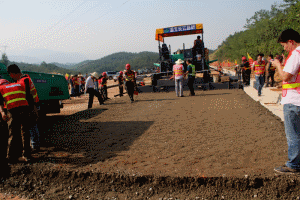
<point x="4" y="46"/>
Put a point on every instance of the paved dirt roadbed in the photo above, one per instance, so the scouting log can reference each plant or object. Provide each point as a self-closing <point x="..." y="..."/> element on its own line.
<point x="216" y="145"/>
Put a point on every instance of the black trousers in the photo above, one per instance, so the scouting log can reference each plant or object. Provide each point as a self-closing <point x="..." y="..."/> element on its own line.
<point x="247" y="75"/>
<point x="3" y="140"/>
<point x="104" y="92"/>
<point x="92" y="92"/>
<point x="77" y="91"/>
<point x="271" y="75"/>
<point x="130" y="89"/>
<point x="121" y="90"/>
<point x="191" y="84"/>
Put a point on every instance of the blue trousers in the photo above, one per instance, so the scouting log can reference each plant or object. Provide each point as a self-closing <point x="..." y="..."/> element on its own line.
<point x="292" y="130"/>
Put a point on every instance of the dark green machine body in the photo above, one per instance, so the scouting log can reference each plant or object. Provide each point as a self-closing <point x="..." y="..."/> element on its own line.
<point x="51" y="89"/>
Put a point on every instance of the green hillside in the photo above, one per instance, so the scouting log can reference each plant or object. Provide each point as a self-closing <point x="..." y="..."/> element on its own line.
<point x="261" y="32"/>
<point x="117" y="62"/>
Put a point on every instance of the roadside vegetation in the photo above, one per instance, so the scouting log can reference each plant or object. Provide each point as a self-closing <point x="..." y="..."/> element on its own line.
<point x="261" y="33"/>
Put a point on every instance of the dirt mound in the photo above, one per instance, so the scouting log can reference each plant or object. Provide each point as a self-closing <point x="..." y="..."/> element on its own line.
<point x="215" y="145"/>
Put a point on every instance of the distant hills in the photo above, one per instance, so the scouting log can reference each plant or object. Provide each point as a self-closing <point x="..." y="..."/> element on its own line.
<point x="113" y="62"/>
<point x="117" y="62"/>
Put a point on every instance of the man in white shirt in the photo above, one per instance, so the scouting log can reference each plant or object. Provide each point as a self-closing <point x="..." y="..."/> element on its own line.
<point x="290" y="74"/>
<point x="90" y="88"/>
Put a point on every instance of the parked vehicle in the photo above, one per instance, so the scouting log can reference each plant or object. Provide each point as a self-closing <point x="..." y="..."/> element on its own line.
<point x="111" y="74"/>
<point x="51" y="89"/>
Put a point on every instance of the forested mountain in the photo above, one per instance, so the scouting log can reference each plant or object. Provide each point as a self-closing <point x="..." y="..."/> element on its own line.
<point x="261" y="34"/>
<point x="113" y="62"/>
<point x="43" y="68"/>
<point x="117" y="62"/>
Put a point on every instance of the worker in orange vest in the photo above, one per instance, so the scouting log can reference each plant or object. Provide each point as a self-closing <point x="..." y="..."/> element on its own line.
<point x="4" y="135"/>
<point x="76" y="85"/>
<point x="103" y="85"/>
<point x="130" y="81"/>
<point x="34" y="115"/>
<point x="178" y="74"/>
<point x="18" y="103"/>
<point x="259" y="67"/>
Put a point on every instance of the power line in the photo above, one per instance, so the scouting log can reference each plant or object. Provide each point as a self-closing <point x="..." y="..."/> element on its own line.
<point x="77" y="17"/>
<point x="98" y="18"/>
<point x="65" y="17"/>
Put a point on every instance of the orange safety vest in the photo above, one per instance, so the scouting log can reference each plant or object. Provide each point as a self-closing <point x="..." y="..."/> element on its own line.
<point x="102" y="81"/>
<point x="130" y="76"/>
<point x="14" y="95"/>
<point x="75" y="81"/>
<point x="32" y="87"/>
<point x="291" y="85"/>
<point x="178" y="69"/>
<point x="272" y="68"/>
<point x="246" y="68"/>
<point x="259" y="68"/>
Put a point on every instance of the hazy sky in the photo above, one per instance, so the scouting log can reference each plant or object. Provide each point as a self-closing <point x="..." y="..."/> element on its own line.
<point x="101" y="27"/>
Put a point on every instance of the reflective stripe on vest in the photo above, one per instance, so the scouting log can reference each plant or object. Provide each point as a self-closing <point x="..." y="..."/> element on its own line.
<point x="32" y="87"/>
<point x="14" y="95"/>
<point x="130" y="76"/>
<point x="246" y="68"/>
<point x="193" y="71"/>
<point x="259" y="68"/>
<point x="291" y="85"/>
<point x="178" y="69"/>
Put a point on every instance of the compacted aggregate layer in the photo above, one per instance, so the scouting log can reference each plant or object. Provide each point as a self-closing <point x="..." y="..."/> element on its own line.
<point x="219" y="144"/>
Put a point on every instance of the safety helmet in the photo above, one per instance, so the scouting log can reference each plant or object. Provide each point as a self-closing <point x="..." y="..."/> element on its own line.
<point x="244" y="58"/>
<point x="121" y="72"/>
<point x="127" y="67"/>
<point x="4" y="82"/>
<point x="104" y="74"/>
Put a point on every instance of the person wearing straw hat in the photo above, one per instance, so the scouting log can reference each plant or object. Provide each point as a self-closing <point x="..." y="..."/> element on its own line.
<point x="90" y="88"/>
<point x="178" y="75"/>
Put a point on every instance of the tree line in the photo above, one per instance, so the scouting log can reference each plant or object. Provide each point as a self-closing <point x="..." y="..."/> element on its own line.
<point x="261" y="33"/>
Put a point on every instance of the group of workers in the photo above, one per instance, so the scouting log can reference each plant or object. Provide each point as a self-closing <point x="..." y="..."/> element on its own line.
<point x="76" y="84"/>
<point x="19" y="105"/>
<point x="128" y="77"/>
<point x="179" y="74"/>
<point x="263" y="68"/>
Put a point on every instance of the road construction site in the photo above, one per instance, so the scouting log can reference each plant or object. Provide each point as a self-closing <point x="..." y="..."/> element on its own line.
<point x="219" y="144"/>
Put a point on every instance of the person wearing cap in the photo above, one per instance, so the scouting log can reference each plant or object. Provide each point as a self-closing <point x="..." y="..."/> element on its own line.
<point x="90" y="88"/>
<point x="178" y="75"/>
<point x="130" y="81"/>
<point x="121" y="83"/>
<point x="259" y="67"/>
<point x="289" y="72"/>
<point x="246" y="71"/>
<point x="103" y="85"/>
